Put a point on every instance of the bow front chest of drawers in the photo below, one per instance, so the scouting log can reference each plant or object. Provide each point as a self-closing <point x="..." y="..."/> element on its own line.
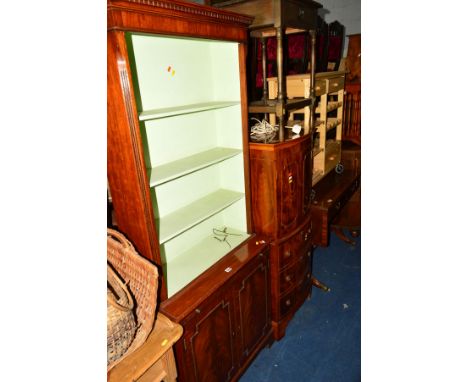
<point x="281" y="182"/>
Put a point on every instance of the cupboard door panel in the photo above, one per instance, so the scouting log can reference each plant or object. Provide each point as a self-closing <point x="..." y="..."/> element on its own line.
<point x="289" y="196"/>
<point x="307" y="176"/>
<point x="254" y="305"/>
<point x="210" y="345"/>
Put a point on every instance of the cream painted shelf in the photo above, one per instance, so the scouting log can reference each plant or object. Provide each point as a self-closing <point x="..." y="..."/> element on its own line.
<point x="332" y="123"/>
<point x="196" y="212"/>
<point x="192" y="134"/>
<point x="167" y="172"/>
<point x="330" y="106"/>
<point x="317" y="151"/>
<point x="316" y="176"/>
<point x="185" y="109"/>
<point x="193" y="262"/>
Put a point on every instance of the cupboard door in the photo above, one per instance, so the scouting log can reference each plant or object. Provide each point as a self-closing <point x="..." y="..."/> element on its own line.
<point x="307" y="176"/>
<point x="289" y="195"/>
<point x="209" y="342"/>
<point x="252" y="298"/>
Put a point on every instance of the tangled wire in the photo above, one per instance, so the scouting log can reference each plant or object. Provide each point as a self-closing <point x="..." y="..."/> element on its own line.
<point x="262" y="131"/>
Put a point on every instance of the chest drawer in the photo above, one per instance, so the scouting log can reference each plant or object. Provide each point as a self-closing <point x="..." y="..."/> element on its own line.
<point x="303" y="267"/>
<point x="292" y="249"/>
<point x="337" y="205"/>
<point x="335" y="84"/>
<point x="320" y="87"/>
<point x="288" y="278"/>
<point x="287" y="302"/>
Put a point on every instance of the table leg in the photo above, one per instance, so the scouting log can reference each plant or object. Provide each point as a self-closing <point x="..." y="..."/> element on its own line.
<point x="319" y="285"/>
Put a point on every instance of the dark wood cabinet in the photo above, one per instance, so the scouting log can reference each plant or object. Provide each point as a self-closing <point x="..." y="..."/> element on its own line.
<point x="224" y="330"/>
<point x="281" y="179"/>
<point x="209" y="340"/>
<point x="280" y="183"/>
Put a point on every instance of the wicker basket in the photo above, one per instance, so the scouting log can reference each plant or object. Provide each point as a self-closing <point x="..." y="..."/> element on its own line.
<point x="121" y="324"/>
<point x="141" y="277"/>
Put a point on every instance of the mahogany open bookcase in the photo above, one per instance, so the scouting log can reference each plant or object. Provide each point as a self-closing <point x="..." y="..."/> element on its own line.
<point x="178" y="173"/>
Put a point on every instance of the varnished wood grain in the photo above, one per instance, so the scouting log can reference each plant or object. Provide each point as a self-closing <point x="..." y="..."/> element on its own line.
<point x="245" y="131"/>
<point x="176" y="18"/>
<point x="125" y="163"/>
<point x="225" y="311"/>
<point x="281" y="184"/>
<point x="331" y="195"/>
<point x="229" y="325"/>
<point x="184" y="302"/>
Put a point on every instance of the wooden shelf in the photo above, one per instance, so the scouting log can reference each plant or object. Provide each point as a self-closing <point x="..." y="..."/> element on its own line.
<point x="186" y="217"/>
<point x="185" y="109"/>
<point x="332" y="123"/>
<point x="330" y="106"/>
<point x="317" y="151"/>
<point x="169" y="171"/>
<point x="316" y="176"/>
<point x="332" y="146"/>
<point x="193" y="262"/>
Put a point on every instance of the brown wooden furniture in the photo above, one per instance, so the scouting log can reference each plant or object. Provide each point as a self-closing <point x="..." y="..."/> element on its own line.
<point x="335" y="45"/>
<point x="329" y="89"/>
<point x="154" y="360"/>
<point x="297" y="60"/>
<point x="281" y="184"/>
<point x="352" y="115"/>
<point x="330" y="196"/>
<point x="225" y="306"/>
<point x="225" y="314"/>
<point x="349" y="218"/>
<point x="279" y="18"/>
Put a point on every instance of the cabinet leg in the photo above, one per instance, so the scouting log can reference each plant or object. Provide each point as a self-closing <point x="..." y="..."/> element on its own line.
<point x="339" y="232"/>
<point x="319" y="285"/>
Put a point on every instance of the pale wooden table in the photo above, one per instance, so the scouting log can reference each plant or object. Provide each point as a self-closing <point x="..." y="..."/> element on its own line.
<point x="154" y="360"/>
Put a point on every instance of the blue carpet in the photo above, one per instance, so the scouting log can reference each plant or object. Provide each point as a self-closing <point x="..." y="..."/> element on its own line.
<point x="323" y="340"/>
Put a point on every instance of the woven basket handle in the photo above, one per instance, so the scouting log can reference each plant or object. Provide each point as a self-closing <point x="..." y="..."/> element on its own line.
<point x="125" y="301"/>
<point x="120" y="238"/>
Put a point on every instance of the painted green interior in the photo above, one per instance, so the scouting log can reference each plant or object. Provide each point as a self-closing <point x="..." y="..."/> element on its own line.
<point x="190" y="113"/>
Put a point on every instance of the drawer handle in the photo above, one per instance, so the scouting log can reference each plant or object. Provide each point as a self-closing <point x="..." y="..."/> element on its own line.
<point x="308" y="275"/>
<point x="301" y="13"/>
<point x="198" y="311"/>
<point x="287" y="254"/>
<point x="288" y="302"/>
<point x="338" y="205"/>
<point x="308" y="254"/>
<point x="288" y="278"/>
<point x="335" y="84"/>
